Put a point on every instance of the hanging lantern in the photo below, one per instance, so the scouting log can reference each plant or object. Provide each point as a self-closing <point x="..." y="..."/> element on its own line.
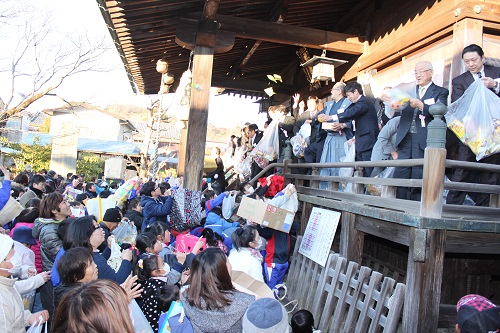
<point x="168" y="79"/>
<point x="161" y="66"/>
<point x="323" y="67"/>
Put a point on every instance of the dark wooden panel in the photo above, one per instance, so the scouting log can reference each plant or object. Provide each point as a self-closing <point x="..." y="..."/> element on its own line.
<point x="392" y="231"/>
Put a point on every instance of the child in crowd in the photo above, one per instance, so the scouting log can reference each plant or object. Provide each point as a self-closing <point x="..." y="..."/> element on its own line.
<point x="211" y="200"/>
<point x="218" y="224"/>
<point x="245" y="255"/>
<point x="303" y="322"/>
<point x="266" y="315"/>
<point x="147" y="242"/>
<point x="214" y="240"/>
<point x="151" y="273"/>
<point x="278" y="242"/>
<point x="76" y="266"/>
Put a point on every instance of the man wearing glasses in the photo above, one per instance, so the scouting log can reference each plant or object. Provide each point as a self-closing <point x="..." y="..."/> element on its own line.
<point x="411" y="137"/>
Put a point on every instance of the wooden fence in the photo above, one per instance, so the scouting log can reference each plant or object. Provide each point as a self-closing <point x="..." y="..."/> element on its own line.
<point x="344" y="296"/>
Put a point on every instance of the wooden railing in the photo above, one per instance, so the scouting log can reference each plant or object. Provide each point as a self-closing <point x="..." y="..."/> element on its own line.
<point x="388" y="186"/>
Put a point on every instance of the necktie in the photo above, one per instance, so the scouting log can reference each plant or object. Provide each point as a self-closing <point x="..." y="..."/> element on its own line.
<point x="422" y="92"/>
<point x="479" y="75"/>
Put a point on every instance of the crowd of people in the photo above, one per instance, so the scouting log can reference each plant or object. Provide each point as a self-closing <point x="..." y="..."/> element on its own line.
<point x="374" y="130"/>
<point x="73" y="271"/>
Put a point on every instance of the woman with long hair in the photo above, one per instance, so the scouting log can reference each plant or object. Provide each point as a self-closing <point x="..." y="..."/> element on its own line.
<point x="211" y="302"/>
<point x="98" y="306"/>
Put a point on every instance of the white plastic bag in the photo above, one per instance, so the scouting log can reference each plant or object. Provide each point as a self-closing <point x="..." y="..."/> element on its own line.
<point x="475" y="120"/>
<point x="126" y="232"/>
<point x="268" y="147"/>
<point x="399" y="98"/>
<point x="37" y="328"/>
<point x="305" y="131"/>
<point x="141" y="324"/>
<point x="228" y="206"/>
<point x="244" y="167"/>
<point x="115" y="259"/>
<point x="350" y="156"/>
<point x="377" y="189"/>
<point x="292" y="204"/>
<point x="299" y="145"/>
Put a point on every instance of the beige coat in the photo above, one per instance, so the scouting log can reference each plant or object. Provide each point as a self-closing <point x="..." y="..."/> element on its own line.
<point x="13" y="317"/>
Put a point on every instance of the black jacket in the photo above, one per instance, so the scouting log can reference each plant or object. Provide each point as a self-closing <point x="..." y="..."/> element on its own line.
<point x="463" y="81"/>
<point x="363" y="112"/>
<point x="433" y="92"/>
<point x="135" y="217"/>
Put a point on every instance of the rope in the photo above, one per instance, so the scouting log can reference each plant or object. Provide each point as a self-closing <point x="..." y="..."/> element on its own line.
<point x="157" y="120"/>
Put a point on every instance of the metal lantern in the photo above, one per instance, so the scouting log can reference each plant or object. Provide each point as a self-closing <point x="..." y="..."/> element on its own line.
<point x="323" y="67"/>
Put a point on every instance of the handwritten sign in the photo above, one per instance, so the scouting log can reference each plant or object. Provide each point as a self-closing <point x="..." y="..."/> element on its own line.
<point x="319" y="234"/>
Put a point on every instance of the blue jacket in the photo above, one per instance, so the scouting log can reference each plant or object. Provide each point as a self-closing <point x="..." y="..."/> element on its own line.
<point x="214" y="202"/>
<point x="155" y="210"/>
<point x="4" y="193"/>
<point x="218" y="224"/>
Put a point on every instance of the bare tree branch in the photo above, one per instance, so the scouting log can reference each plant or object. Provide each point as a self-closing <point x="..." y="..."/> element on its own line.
<point x="43" y="61"/>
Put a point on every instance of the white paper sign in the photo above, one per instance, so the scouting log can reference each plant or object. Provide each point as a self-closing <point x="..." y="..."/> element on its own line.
<point x="318" y="237"/>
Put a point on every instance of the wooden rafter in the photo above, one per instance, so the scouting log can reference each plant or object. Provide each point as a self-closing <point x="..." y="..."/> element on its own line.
<point x="278" y="15"/>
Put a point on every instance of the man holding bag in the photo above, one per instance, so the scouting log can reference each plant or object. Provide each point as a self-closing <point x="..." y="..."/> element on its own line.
<point x="473" y="57"/>
<point x="411" y="136"/>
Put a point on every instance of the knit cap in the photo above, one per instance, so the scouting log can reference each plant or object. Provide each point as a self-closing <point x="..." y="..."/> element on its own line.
<point x="477" y="314"/>
<point x="5" y="246"/>
<point x="112" y="215"/>
<point x="265" y="315"/>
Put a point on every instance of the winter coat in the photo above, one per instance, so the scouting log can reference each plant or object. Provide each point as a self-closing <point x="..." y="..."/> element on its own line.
<point x="225" y="320"/>
<point x="218" y="224"/>
<point x="135" y="217"/>
<point x="245" y="261"/>
<point x="30" y="194"/>
<point x="35" y="247"/>
<point x="155" y="209"/>
<point x="45" y="230"/>
<point x="13" y="317"/>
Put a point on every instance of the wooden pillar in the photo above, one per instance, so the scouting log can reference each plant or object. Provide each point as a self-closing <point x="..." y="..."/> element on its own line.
<point x="465" y="32"/>
<point x="423" y="280"/>
<point x="427" y="246"/>
<point x="351" y="240"/>
<point x="181" y="159"/>
<point x="201" y="82"/>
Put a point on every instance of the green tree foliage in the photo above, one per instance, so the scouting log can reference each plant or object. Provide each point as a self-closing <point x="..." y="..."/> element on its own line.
<point x="36" y="155"/>
<point x="89" y="164"/>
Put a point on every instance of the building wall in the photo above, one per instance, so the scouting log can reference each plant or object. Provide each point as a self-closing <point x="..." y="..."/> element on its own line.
<point x="91" y="124"/>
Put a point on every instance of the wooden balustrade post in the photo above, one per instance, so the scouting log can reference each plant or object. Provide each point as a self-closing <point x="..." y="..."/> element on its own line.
<point x="427" y="246"/>
<point x="287" y="171"/>
<point x="358" y="188"/>
<point x="315" y="183"/>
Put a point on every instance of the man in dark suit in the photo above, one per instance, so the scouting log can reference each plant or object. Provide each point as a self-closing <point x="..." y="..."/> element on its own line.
<point x="473" y="57"/>
<point x="363" y="113"/>
<point x="314" y="148"/>
<point x="411" y="137"/>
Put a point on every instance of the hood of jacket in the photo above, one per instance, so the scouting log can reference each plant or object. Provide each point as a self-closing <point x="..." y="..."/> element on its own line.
<point x="227" y="319"/>
<point x="40" y="223"/>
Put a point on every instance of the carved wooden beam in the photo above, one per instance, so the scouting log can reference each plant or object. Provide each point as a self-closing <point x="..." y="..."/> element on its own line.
<point x="283" y="34"/>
